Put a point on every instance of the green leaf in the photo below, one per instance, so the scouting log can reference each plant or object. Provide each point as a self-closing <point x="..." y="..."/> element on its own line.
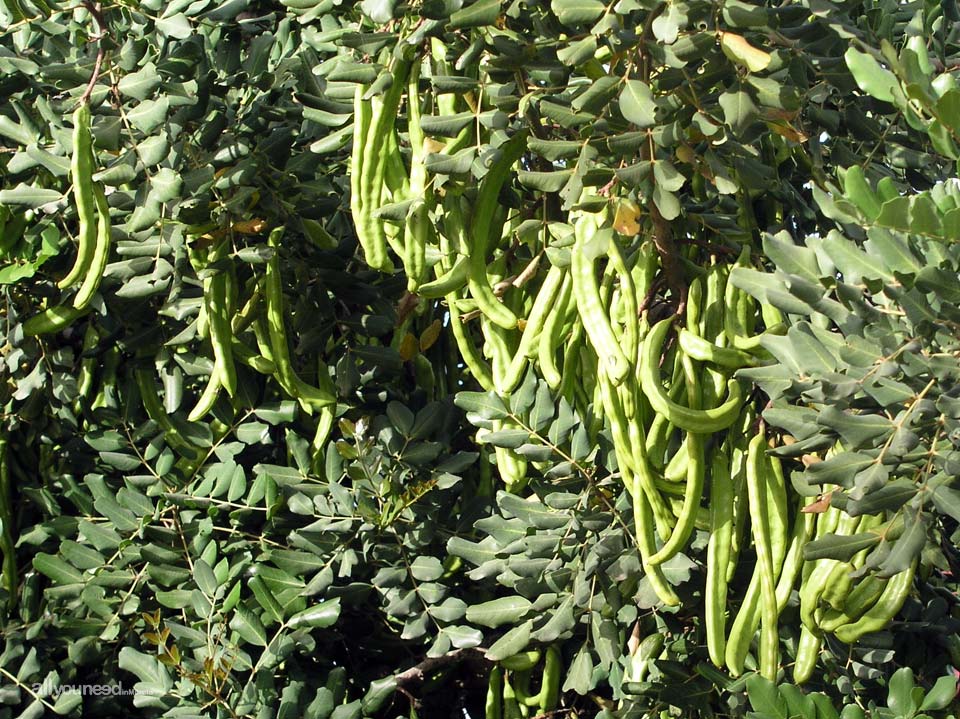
<point x="514" y="641"/>
<point x="764" y="698"/>
<point x="577" y="12"/>
<point x="580" y="675"/>
<point x="857" y="430"/>
<point x="559" y="622"/>
<point x="141" y="84"/>
<point x="322" y="615"/>
<point x="462" y="636"/>
<point x="870" y="76"/>
<point x="505" y="610"/>
<point x="509" y="438"/>
<point x="739" y="110"/>
<point x="15" y="131"/>
<point x="666" y="202"/>
<point x="544" y="181"/>
<point x="941" y="694"/>
<point x="205" y="578"/>
<point x="484" y="404"/>
<point x="894" y="249"/>
<point x="149" y="115"/>
<point x="768" y="288"/>
<point x="145" y="667"/>
<point x="531" y="512"/>
<point x="562" y="115"/>
<point x="852" y="262"/>
<point x="900" y="692"/>
<point x="924" y="217"/>
<point x="446" y="125"/>
<point x="380" y="690"/>
<point x="426" y="569"/>
<point x="579" y="52"/>
<point x="852" y="711"/>
<point x="907" y="547"/>
<point x="352" y="710"/>
<point x="177" y="27"/>
<point x="554" y="150"/>
<point x="33" y="197"/>
<point x="839" y="469"/>
<point x="479" y="14"/>
<point x="475" y="553"/>
<point x="248" y="626"/>
<point x="456" y="164"/>
<point x="839" y="546"/>
<point x="265" y="598"/>
<point x="637" y="103"/>
<point x="798" y="704"/>
<point x="666" y="26"/>
<point x="57" y="569"/>
<point x="890" y="497"/>
<point x="380" y="11"/>
<point x="165" y="185"/>
<point x="451" y="610"/>
<point x="946" y="500"/>
<point x="860" y="193"/>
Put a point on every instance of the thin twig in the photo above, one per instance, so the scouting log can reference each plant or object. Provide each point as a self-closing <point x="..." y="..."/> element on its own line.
<point x="94" y="10"/>
<point x="418" y="672"/>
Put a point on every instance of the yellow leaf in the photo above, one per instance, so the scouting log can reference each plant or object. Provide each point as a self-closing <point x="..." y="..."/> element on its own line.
<point x="250" y="227"/>
<point x="686" y="154"/>
<point x="743" y="53"/>
<point x="785" y="129"/>
<point x="431" y="146"/>
<point x="625" y="222"/>
<point x="409" y="347"/>
<point x="430" y="335"/>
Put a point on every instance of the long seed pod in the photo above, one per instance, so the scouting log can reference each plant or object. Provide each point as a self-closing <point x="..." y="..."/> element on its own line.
<point x="482" y="232"/>
<point x="808" y="650"/>
<point x="493" y="706"/>
<point x="551" y="336"/>
<point x="208" y="397"/>
<point x="215" y="293"/>
<point x="757" y="496"/>
<point x="703" y="421"/>
<point x="882" y="613"/>
<point x="53" y="319"/>
<point x="591" y="306"/>
<point x="81" y="174"/>
<point x="543" y="307"/>
<point x="101" y="253"/>
<point x="718" y="555"/>
<point x="309" y="397"/>
<point x="7" y="545"/>
<point x="695" y="478"/>
<point x="417" y="226"/>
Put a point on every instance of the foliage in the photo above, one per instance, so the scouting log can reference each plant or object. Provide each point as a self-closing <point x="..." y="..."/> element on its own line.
<point x="281" y="557"/>
<point x="904" y="699"/>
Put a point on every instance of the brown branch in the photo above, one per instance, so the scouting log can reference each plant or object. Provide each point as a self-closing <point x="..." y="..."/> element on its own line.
<point x="651" y="294"/>
<point x="418" y="672"/>
<point x="667" y="249"/>
<point x="645" y="70"/>
<point x="662" y="234"/>
<point x="94" y="10"/>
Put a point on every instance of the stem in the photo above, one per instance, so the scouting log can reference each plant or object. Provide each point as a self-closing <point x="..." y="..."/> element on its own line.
<point x="94" y="10"/>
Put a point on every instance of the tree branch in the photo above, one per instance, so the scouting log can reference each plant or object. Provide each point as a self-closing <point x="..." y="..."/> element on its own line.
<point x="94" y="10"/>
<point x="662" y="234"/>
<point x="418" y="672"/>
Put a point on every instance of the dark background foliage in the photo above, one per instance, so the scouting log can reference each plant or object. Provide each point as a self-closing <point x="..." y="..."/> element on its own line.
<point x="251" y="564"/>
